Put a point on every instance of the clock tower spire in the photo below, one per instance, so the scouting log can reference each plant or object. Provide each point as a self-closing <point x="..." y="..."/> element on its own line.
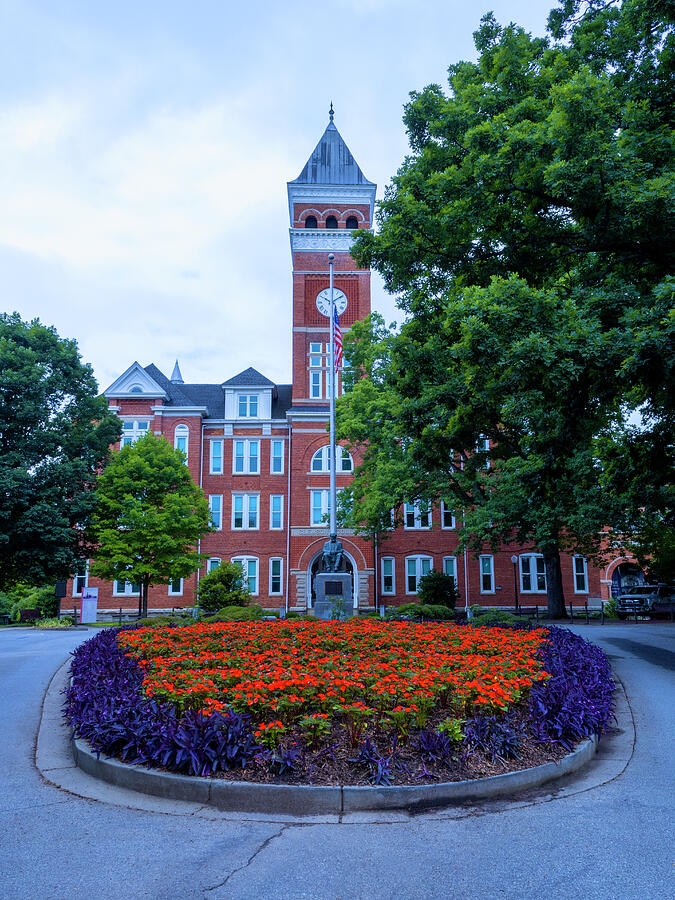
<point x="328" y="200"/>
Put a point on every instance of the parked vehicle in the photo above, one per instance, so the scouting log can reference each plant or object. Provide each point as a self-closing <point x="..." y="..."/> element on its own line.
<point x="645" y="600"/>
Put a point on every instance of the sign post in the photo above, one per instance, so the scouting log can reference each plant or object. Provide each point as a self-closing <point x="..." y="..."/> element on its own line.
<point x="89" y="605"/>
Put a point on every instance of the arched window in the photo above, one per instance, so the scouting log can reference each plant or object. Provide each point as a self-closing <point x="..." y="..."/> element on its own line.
<point x="180" y="438"/>
<point x="321" y="460"/>
<point x="352" y="223"/>
<point x="331" y="222"/>
<point x="310" y="222"/>
<point x="135" y="389"/>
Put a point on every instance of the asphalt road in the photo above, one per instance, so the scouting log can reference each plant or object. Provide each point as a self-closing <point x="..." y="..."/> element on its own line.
<point x="596" y="838"/>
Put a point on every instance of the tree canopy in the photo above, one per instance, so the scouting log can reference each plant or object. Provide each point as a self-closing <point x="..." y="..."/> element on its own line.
<point x="149" y="517"/>
<point x="528" y="238"/>
<point x="55" y="433"/>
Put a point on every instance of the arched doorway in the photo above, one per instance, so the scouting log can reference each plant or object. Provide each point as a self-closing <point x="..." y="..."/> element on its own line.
<point x="348" y="565"/>
<point x="626" y="575"/>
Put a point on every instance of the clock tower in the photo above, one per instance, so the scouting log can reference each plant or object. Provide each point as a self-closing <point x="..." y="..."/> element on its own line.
<point x="328" y="200"/>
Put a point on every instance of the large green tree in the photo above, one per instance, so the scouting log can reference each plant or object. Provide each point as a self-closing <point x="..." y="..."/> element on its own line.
<point x="529" y="239"/>
<point x="149" y="517"/>
<point x="54" y="435"/>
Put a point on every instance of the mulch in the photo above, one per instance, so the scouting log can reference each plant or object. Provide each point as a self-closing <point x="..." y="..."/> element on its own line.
<point x="334" y="761"/>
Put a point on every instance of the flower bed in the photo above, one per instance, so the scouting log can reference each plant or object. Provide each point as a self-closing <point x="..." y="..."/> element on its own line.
<point x="353" y="702"/>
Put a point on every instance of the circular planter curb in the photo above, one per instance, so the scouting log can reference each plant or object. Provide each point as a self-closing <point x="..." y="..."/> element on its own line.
<point x="305" y="800"/>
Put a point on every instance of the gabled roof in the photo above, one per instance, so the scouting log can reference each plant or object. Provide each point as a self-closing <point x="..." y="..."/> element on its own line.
<point x="331" y="162"/>
<point x="249" y="378"/>
<point x="175" y="392"/>
<point x="138" y="380"/>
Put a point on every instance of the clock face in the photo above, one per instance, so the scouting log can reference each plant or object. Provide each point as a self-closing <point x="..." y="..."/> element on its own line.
<point x="323" y="302"/>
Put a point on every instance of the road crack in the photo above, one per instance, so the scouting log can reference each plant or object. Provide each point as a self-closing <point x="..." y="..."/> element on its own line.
<point x="256" y="853"/>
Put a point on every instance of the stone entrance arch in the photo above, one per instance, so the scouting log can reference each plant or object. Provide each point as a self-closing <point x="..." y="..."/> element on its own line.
<point x="348" y="565"/>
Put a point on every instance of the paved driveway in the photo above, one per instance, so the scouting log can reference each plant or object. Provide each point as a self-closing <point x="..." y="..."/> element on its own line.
<point x="586" y="839"/>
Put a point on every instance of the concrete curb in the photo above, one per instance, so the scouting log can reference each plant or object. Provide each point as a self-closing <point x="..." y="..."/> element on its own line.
<point x="307" y="800"/>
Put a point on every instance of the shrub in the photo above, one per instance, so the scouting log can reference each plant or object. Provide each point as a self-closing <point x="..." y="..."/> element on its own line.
<point x="64" y="622"/>
<point x="224" y="586"/>
<point x="421" y="611"/>
<point x="293" y="614"/>
<point x="236" y="614"/>
<point x="437" y="589"/>
<point x="28" y="596"/>
<point x="495" y="617"/>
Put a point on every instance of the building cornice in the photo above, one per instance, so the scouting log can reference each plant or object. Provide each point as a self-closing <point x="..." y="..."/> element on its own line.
<point x="340" y="194"/>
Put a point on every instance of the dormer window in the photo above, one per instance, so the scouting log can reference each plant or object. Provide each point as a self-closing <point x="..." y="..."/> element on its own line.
<point x="352" y="223"/>
<point x="248" y="406"/>
<point x="331" y="222"/>
<point x="310" y="222"/>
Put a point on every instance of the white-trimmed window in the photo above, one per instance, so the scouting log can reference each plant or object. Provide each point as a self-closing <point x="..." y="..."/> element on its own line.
<point x="415" y="568"/>
<point x="532" y="574"/>
<point x="388" y="565"/>
<point x="81" y="577"/>
<point x="450" y="567"/>
<point x="245" y="509"/>
<point x="247" y="406"/>
<point x="277" y="457"/>
<point x="417" y="515"/>
<point x="487" y="574"/>
<point x="580" y="575"/>
<point x="125" y="588"/>
<point x="176" y="587"/>
<point x="483" y="447"/>
<point x="246" y="457"/>
<point x="447" y="516"/>
<point x="216" y="508"/>
<point x="133" y="430"/>
<point x="276" y="571"/>
<point x="180" y="438"/>
<point x="212" y="563"/>
<point x="216" y="460"/>
<point x="320" y="506"/>
<point x="276" y="511"/>
<point x="321" y="460"/>
<point x="249" y="567"/>
<point x="315" y="371"/>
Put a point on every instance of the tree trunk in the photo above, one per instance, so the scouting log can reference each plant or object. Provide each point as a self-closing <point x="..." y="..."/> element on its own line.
<point x="555" y="595"/>
<point x="144" y="593"/>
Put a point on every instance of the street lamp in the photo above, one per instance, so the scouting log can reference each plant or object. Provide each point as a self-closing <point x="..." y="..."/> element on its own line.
<point x="514" y="560"/>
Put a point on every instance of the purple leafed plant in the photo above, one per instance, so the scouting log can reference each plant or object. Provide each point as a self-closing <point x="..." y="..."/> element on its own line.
<point x="105" y="706"/>
<point x="497" y="737"/>
<point x="578" y="700"/>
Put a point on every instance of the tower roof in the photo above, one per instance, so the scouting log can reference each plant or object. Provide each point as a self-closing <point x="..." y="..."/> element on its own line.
<point x="176" y="376"/>
<point x="331" y="162"/>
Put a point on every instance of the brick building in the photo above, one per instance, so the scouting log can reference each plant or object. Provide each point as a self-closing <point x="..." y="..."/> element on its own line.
<point x="260" y="450"/>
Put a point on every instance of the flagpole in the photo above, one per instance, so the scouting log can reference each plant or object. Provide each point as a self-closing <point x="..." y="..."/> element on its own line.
<point x="333" y="491"/>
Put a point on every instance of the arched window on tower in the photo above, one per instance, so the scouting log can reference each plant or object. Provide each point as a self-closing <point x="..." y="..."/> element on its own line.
<point x="321" y="460"/>
<point x="331" y="222"/>
<point x="310" y="222"/>
<point x="180" y="438"/>
<point x="352" y="223"/>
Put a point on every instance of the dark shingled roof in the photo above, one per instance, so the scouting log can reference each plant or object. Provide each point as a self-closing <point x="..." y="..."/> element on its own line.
<point x="175" y="392"/>
<point x="281" y="400"/>
<point x="331" y="162"/>
<point x="249" y="378"/>
<point x="212" y="396"/>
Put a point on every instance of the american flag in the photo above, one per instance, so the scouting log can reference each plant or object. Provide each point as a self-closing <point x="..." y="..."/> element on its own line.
<point x="338" y="339"/>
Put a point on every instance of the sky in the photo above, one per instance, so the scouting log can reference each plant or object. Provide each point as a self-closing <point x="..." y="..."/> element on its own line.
<point x="145" y="149"/>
